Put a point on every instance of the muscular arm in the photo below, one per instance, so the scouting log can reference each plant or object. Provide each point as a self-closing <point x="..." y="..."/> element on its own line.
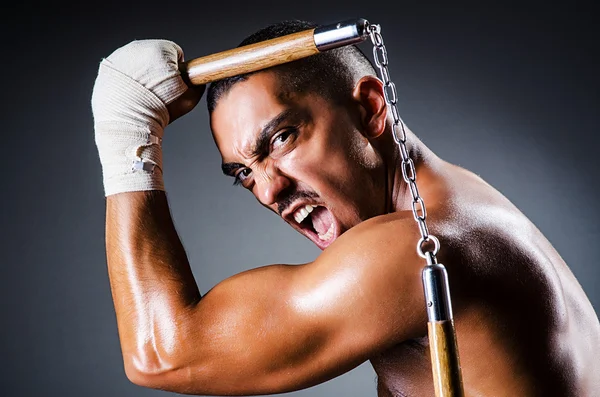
<point x="151" y="281"/>
<point x="271" y="329"/>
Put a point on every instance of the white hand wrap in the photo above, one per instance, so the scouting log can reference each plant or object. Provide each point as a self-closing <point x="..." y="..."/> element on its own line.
<point x="133" y="87"/>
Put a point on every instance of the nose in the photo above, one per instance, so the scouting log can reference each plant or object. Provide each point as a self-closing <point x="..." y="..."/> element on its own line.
<point x="270" y="185"/>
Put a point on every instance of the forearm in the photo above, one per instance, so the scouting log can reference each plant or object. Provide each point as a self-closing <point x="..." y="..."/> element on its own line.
<point x="153" y="287"/>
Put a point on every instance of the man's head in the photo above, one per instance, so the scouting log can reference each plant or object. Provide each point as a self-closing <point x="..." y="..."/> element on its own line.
<point x="301" y="136"/>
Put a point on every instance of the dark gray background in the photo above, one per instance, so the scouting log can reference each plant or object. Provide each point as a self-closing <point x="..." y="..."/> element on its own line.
<point x="509" y="91"/>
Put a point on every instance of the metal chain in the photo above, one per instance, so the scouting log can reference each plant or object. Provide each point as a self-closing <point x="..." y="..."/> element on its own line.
<point x="398" y="131"/>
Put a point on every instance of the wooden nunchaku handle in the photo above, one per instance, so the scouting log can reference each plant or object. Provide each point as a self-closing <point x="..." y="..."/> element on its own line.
<point x="445" y="362"/>
<point x="251" y="57"/>
<point x="444" y="358"/>
<point x="273" y="52"/>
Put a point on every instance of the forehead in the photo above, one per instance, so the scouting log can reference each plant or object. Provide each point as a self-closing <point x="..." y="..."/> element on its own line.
<point x="245" y="109"/>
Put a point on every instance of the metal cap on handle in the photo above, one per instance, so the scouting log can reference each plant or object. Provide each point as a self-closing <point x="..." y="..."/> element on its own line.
<point x="437" y="292"/>
<point x="341" y="34"/>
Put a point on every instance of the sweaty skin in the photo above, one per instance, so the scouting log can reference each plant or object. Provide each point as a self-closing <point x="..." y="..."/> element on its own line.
<point x="524" y="325"/>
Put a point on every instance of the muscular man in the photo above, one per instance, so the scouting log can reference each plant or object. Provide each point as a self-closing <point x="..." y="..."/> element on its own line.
<point x="312" y="141"/>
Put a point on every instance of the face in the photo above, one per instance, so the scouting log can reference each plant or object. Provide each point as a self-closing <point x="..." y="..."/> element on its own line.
<point x="303" y="157"/>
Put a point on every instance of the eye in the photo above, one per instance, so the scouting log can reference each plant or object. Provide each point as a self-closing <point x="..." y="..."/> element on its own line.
<point x="283" y="137"/>
<point x="241" y="176"/>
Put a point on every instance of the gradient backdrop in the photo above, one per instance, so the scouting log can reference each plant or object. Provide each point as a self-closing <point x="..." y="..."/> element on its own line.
<point x="508" y="91"/>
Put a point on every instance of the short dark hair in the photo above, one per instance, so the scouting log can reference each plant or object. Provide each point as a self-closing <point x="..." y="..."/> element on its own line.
<point x="331" y="74"/>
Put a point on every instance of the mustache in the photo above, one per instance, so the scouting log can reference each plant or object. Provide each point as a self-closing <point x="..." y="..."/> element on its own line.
<point x="288" y="200"/>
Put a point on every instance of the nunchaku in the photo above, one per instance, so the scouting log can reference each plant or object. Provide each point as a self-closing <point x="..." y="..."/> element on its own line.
<point x="445" y="361"/>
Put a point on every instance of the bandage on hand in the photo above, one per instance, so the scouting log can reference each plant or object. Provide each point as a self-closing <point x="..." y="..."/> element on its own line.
<point x="134" y="86"/>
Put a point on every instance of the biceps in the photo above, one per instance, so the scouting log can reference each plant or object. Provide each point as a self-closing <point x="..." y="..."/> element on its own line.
<point x="275" y="329"/>
<point x="248" y="337"/>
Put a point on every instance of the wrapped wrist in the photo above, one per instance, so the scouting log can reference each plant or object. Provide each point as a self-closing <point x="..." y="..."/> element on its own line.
<point x="130" y="114"/>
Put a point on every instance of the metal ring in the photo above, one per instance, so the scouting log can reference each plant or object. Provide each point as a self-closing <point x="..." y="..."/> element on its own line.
<point x="390" y="89"/>
<point x="385" y="75"/>
<point x="414" y="190"/>
<point x="423" y="227"/>
<point x="395" y="126"/>
<point x="375" y="32"/>
<point x="381" y="55"/>
<point x="411" y="167"/>
<point x="415" y="209"/>
<point x="395" y="113"/>
<point x="436" y="246"/>
<point x="403" y="150"/>
<point x="398" y="139"/>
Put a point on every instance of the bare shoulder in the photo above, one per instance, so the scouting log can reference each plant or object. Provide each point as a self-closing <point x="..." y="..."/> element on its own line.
<point x="515" y="300"/>
<point x="509" y="279"/>
<point x="383" y="247"/>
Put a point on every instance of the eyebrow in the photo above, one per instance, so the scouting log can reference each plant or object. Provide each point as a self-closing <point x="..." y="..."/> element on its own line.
<point x="229" y="168"/>
<point x="262" y="142"/>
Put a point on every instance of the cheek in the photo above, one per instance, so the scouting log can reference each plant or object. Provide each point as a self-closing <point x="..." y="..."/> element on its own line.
<point x="323" y="165"/>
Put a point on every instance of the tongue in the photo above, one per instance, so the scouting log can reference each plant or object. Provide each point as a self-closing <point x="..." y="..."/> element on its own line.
<point x="321" y="219"/>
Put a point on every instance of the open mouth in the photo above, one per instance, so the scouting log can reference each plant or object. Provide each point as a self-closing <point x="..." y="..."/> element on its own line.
<point x="317" y="223"/>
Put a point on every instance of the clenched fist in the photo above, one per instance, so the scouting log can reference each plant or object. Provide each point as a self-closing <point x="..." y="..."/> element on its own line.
<point x="137" y="93"/>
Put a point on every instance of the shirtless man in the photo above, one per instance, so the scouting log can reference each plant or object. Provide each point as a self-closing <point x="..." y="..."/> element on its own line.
<point x="316" y="135"/>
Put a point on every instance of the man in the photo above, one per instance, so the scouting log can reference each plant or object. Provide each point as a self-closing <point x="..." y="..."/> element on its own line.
<point x="312" y="141"/>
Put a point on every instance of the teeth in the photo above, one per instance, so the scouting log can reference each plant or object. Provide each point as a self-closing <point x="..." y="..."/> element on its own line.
<point x="303" y="212"/>
<point x="328" y="235"/>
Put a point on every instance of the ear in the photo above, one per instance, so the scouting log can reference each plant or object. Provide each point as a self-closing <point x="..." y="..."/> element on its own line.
<point x="368" y="93"/>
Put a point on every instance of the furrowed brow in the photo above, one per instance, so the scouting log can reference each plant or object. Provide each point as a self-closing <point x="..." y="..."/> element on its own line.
<point x="260" y="146"/>
<point x="230" y="168"/>
<point x="263" y="140"/>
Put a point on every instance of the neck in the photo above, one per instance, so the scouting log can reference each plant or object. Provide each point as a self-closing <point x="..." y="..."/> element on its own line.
<point x="399" y="193"/>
